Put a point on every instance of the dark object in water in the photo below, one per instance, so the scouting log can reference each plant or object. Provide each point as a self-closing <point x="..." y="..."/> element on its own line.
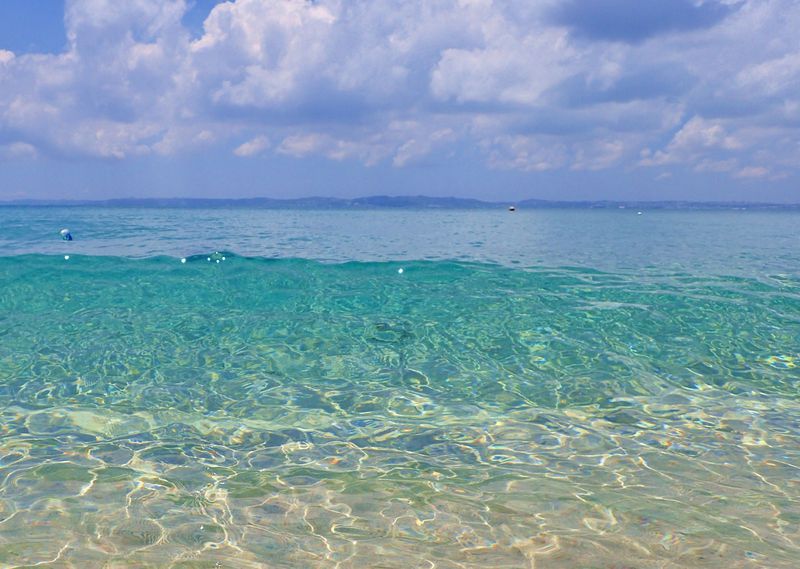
<point x="512" y="208"/>
<point x="66" y="235"/>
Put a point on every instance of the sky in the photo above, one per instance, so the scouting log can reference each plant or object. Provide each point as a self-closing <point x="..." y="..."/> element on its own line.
<point x="491" y="99"/>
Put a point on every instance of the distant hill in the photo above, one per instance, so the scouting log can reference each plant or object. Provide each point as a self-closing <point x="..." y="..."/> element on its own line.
<point x="396" y="202"/>
<point x="272" y="203"/>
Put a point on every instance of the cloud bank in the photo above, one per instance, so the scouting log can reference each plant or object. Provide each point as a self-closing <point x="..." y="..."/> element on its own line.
<point x="703" y="85"/>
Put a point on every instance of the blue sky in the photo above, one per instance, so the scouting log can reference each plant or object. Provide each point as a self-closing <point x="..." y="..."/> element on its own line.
<point x="495" y="99"/>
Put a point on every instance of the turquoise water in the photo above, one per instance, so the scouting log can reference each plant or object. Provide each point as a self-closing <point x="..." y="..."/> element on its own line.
<point x="550" y="389"/>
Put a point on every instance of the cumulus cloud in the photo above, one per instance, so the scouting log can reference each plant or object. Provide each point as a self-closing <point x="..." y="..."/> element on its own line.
<point x="499" y="69"/>
<point x="369" y="151"/>
<point x="252" y="147"/>
<point x="532" y="86"/>
<point x="415" y="148"/>
<point x="695" y="138"/>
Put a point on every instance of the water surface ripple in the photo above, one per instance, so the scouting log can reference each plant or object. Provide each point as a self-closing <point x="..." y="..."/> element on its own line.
<point x="747" y="243"/>
<point x="291" y="413"/>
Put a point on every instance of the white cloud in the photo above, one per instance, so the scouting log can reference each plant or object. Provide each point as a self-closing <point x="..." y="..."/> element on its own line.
<point x="416" y="148"/>
<point x="508" y="68"/>
<point x="17" y="150"/>
<point x="598" y="154"/>
<point x="771" y="77"/>
<point x="252" y="147"/>
<point x="380" y="80"/>
<point x="532" y="154"/>
<point x="707" y="165"/>
<point x="264" y="52"/>
<point x="183" y="137"/>
<point x="753" y="172"/>
<point x="301" y="145"/>
<point x="692" y="142"/>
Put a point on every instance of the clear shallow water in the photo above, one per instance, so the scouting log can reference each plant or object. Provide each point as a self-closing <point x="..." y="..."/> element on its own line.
<point x="627" y="397"/>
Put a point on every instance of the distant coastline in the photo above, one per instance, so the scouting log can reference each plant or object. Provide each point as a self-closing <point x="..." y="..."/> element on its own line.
<point x="397" y="202"/>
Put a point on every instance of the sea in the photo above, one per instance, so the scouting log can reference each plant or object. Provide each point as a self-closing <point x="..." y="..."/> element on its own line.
<point x="399" y="388"/>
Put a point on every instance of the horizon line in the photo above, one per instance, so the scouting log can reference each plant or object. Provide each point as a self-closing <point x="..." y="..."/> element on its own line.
<point x="387" y="201"/>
